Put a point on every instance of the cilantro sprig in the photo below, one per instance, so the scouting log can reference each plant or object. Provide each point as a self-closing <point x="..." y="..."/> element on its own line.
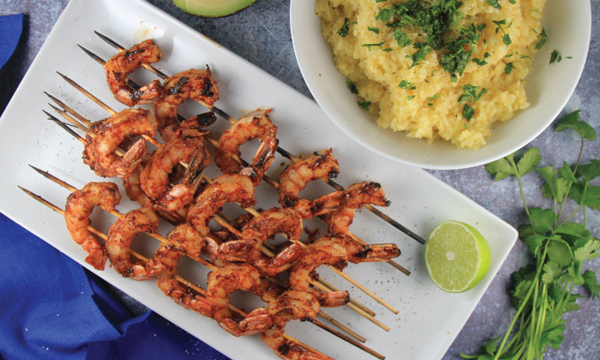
<point x="547" y="289"/>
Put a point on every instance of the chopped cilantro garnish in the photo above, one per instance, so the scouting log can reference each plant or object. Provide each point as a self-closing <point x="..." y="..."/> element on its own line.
<point x="509" y="67"/>
<point x="375" y="30"/>
<point x="352" y="87"/>
<point x="468" y="112"/>
<point x="512" y="1"/>
<point x="471" y="94"/>
<point x="421" y="54"/>
<point x="479" y="62"/>
<point x="433" y="97"/>
<point x="505" y="37"/>
<point x="401" y="38"/>
<point x="542" y="41"/>
<point x="461" y="49"/>
<point x="407" y="85"/>
<point x="345" y="29"/>
<point x="410" y="97"/>
<point x="494" y="3"/>
<point x="555" y="57"/>
<point x="369" y="46"/>
<point x="526" y="57"/>
<point x="364" y="105"/>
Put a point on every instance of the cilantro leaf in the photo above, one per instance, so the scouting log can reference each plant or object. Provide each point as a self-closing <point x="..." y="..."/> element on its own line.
<point x="573" y="230"/>
<point x="589" y="171"/>
<point x="365" y="105"/>
<point x="543" y="40"/>
<point x="587" y="251"/>
<point x="559" y="252"/>
<point x="591" y="284"/>
<point x="501" y="168"/>
<point x="566" y="173"/>
<point x="542" y="220"/>
<point x="494" y="4"/>
<point x="468" y="112"/>
<point x="531" y="158"/>
<point x="345" y="29"/>
<point x="351" y="87"/>
<point x="407" y="85"/>
<point x="401" y="38"/>
<point x="555" y="57"/>
<point x="508" y="68"/>
<point x="552" y="272"/>
<point x="571" y="121"/>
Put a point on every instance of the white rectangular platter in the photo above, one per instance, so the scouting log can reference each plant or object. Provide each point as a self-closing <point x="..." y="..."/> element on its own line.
<point x="429" y="319"/>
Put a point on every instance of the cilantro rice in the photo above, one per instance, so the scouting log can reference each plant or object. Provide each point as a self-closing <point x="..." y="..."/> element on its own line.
<point x="436" y="69"/>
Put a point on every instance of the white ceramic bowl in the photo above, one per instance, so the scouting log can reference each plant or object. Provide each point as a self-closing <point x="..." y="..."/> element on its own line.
<point x="549" y="87"/>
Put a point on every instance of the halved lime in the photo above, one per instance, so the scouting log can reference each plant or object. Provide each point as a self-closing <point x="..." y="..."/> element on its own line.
<point x="457" y="256"/>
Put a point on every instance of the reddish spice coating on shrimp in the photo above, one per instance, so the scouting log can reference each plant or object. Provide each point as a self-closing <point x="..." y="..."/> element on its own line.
<point x="320" y="165"/>
<point x="255" y="125"/>
<point x="260" y="229"/>
<point x="124" y="63"/>
<point x="155" y="178"/>
<point x="99" y="151"/>
<point x="221" y="283"/>
<point x="77" y="216"/>
<point x="224" y="189"/>
<point x="120" y="237"/>
<point x="190" y="84"/>
<point x="291" y="305"/>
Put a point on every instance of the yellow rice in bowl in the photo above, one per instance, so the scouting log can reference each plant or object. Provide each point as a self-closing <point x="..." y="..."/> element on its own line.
<point x="422" y="98"/>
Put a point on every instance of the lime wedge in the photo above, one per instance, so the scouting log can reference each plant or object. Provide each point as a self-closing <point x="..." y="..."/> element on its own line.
<point x="457" y="256"/>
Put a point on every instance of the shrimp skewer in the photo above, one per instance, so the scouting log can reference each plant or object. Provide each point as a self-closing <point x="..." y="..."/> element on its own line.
<point x="280" y="150"/>
<point x="260" y="229"/>
<point x="183" y="281"/>
<point x="253" y="125"/>
<point x="99" y="150"/>
<point x="363" y="310"/>
<point x="124" y="63"/>
<point x="208" y="241"/>
<point x="77" y="216"/>
<point x="190" y="84"/>
<point x="120" y="237"/>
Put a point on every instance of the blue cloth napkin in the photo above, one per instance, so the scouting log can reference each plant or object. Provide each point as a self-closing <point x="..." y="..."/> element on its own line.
<point x="11" y="27"/>
<point x="51" y="308"/>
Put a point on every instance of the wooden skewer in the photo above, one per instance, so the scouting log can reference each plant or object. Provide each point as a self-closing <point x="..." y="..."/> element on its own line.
<point x="353" y="303"/>
<point x="229" y="118"/>
<point x="162" y="239"/>
<point x="355" y="306"/>
<point x="180" y="279"/>
<point x="250" y="210"/>
<point x="285" y="153"/>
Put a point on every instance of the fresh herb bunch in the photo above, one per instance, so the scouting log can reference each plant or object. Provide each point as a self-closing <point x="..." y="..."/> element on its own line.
<point x="545" y="290"/>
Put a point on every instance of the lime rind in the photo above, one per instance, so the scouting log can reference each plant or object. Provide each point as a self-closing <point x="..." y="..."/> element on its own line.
<point x="457" y="256"/>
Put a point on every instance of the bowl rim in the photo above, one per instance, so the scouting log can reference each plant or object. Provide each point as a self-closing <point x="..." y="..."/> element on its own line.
<point x="303" y="60"/>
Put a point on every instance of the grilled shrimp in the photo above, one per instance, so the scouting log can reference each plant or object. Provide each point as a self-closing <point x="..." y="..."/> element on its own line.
<point x="123" y="64"/>
<point x="134" y="191"/>
<point x="99" y="151"/>
<point x="260" y="229"/>
<point x="344" y="205"/>
<point x="252" y="126"/>
<point x="120" y="237"/>
<point x="320" y="165"/>
<point x="190" y="84"/>
<point x="291" y="305"/>
<point x="189" y="128"/>
<point x="77" y="216"/>
<point x="323" y="251"/>
<point x="221" y="283"/>
<point x="183" y="240"/>
<point x="154" y="178"/>
<point x="225" y="188"/>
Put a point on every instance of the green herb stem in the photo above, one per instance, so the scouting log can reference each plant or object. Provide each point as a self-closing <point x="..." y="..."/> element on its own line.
<point x="564" y="200"/>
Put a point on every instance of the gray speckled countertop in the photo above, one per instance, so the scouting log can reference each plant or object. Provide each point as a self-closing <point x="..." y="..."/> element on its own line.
<point x="261" y="35"/>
